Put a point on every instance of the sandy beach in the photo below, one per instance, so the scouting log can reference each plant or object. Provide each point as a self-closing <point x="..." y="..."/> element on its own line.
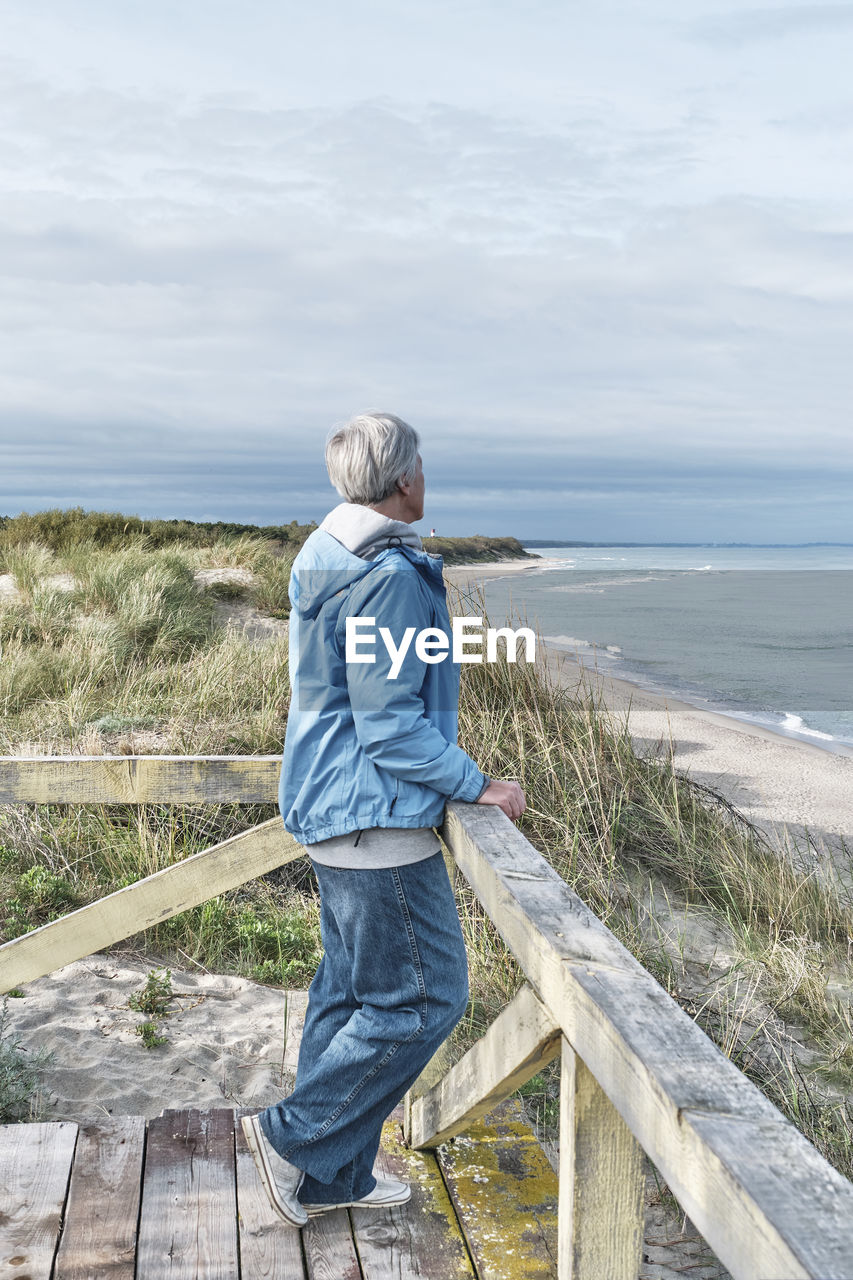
<point x="462" y="573"/>
<point x="799" y="794"/>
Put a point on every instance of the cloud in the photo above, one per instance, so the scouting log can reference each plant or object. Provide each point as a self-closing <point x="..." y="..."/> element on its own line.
<point x="196" y="289"/>
<point x="825" y="121"/>
<point x="740" y="27"/>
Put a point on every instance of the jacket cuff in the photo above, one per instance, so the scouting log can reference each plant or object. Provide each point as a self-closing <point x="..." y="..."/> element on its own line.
<point x="473" y="788"/>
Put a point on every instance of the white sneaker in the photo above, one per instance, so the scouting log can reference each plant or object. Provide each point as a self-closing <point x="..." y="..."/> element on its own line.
<point x="387" y="1192"/>
<point x="281" y="1180"/>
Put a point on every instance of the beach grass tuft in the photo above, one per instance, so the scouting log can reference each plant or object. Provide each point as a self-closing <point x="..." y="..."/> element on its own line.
<point x="21" y="1071"/>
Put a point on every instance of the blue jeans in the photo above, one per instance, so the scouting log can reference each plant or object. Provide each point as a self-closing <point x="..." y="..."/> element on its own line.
<point x="392" y="984"/>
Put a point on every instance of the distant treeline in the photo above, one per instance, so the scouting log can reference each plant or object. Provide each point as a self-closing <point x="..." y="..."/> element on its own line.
<point x="58" y="529"/>
<point x="477" y="547"/>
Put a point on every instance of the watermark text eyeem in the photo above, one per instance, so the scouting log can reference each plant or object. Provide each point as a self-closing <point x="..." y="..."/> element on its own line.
<point x="434" y="645"/>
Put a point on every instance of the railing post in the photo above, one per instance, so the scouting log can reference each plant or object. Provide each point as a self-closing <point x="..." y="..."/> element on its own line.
<point x="434" y="1070"/>
<point x="522" y="1039"/>
<point x="601" y="1182"/>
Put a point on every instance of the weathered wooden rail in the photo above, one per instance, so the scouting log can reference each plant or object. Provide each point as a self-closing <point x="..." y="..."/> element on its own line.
<point x="637" y="1073"/>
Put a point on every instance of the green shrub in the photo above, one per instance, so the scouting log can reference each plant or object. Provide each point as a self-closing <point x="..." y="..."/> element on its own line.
<point x="41" y="896"/>
<point x="155" y="996"/>
<point x="265" y="940"/>
<point x="150" y="1032"/>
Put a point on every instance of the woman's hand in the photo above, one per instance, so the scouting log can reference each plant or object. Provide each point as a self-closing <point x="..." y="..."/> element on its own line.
<point x="507" y="795"/>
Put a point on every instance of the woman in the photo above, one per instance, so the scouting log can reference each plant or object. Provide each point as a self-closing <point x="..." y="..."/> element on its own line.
<point x="370" y="757"/>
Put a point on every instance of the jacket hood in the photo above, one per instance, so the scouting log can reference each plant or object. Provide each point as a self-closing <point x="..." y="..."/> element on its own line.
<point x="366" y="532"/>
<point x="327" y="564"/>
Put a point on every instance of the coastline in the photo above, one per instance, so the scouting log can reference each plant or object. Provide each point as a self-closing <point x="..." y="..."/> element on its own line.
<point x="800" y="794"/>
<point x="498" y="569"/>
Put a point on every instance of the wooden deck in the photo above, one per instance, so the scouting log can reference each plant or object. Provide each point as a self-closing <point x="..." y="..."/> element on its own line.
<point x="179" y="1197"/>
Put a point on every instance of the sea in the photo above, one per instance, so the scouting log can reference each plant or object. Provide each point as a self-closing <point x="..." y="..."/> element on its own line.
<point x="764" y="634"/>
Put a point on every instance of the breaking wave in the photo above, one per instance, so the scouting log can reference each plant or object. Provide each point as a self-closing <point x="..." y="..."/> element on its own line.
<point x="794" y="724"/>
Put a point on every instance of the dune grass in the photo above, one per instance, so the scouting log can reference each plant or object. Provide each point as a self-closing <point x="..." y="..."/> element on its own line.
<point x="129" y="644"/>
<point x="126" y="658"/>
<point x="60" y="530"/>
<point x="20" y="1075"/>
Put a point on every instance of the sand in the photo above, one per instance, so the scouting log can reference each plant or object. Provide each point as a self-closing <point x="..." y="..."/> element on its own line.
<point x="462" y="573"/>
<point x="229" y="1042"/>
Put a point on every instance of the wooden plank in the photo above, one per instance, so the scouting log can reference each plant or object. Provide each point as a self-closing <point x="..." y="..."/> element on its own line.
<point x="139" y="779"/>
<point x="270" y="1249"/>
<point x="714" y="1136"/>
<point x="602" y="1182"/>
<point x="102" y="1215"/>
<point x="329" y="1247"/>
<point x="421" y="1238"/>
<point x="36" y="1164"/>
<point x="188" y="1224"/>
<point x="505" y="1195"/>
<point x="520" y="1042"/>
<point x="158" y="897"/>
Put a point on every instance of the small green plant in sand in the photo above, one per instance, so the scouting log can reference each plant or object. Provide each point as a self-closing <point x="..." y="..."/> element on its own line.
<point x="20" y="1075"/>
<point x="153" y="999"/>
<point x="150" y="1032"/>
<point x="155" y="996"/>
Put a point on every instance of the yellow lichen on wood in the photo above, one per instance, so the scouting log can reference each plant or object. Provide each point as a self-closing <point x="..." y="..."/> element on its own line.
<point x="505" y="1195"/>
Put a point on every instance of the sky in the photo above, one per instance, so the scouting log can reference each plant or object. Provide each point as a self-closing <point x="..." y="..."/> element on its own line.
<point x="600" y="256"/>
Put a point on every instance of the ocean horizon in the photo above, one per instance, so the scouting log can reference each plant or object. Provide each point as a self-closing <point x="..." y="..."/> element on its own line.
<point x="760" y="633"/>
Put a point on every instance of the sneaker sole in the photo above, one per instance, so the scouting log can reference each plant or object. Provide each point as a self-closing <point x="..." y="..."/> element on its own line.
<point x="314" y="1209"/>
<point x="266" y="1177"/>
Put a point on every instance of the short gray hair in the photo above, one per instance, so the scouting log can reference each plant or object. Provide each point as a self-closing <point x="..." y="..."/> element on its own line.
<point x="368" y="455"/>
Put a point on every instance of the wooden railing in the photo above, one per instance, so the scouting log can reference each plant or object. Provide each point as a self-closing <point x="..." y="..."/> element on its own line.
<point x="637" y="1073"/>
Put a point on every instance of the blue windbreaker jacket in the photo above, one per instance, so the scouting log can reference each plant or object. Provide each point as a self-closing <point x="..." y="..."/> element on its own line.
<point x="362" y="750"/>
